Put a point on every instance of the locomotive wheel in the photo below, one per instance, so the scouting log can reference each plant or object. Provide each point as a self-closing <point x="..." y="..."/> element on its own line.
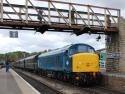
<point x="75" y="82"/>
<point x="64" y="78"/>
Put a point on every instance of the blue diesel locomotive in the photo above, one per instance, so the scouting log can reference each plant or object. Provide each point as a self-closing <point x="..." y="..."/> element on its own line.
<point x="77" y="63"/>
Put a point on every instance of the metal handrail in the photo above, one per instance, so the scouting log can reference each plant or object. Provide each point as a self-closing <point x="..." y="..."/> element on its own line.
<point x="92" y="17"/>
<point x="79" y="15"/>
<point x="37" y="11"/>
<point x="59" y="13"/>
<point x="14" y="10"/>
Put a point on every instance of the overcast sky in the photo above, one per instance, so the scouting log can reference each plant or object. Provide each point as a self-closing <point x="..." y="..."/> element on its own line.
<point x="30" y="41"/>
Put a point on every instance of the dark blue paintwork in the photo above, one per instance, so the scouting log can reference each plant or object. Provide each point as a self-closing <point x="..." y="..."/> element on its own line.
<point x="59" y="59"/>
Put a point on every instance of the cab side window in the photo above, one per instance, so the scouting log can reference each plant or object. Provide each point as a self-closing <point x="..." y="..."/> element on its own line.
<point x="91" y="50"/>
<point x="73" y="51"/>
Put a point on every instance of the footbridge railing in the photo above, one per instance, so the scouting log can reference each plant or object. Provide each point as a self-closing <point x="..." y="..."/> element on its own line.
<point x="52" y="12"/>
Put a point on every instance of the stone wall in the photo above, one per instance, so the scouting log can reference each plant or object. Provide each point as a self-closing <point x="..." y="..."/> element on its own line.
<point x="116" y="44"/>
<point x="112" y="46"/>
<point x="122" y="44"/>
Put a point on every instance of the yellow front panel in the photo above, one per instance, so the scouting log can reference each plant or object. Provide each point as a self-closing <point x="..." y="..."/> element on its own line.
<point x="85" y="62"/>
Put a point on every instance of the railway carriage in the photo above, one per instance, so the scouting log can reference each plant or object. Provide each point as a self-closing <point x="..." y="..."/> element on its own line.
<point x="19" y="63"/>
<point x="28" y="63"/>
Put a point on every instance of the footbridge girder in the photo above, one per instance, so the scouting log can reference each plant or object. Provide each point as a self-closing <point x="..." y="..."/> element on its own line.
<point x="71" y="17"/>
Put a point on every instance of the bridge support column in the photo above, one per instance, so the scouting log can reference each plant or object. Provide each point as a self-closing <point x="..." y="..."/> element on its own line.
<point x="112" y="49"/>
<point x="1" y="10"/>
<point x="122" y="44"/>
<point x="117" y="45"/>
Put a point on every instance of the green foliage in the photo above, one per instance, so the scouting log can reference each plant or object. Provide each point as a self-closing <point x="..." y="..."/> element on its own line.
<point x="13" y="56"/>
<point x="2" y="57"/>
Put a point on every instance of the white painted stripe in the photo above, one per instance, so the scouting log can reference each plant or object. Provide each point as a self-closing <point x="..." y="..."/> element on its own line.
<point x="36" y="91"/>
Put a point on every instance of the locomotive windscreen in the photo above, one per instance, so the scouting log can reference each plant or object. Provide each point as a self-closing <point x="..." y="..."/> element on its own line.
<point x="81" y="49"/>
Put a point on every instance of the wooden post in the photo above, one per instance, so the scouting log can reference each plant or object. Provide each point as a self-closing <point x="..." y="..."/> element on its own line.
<point x="119" y="15"/>
<point x="70" y="14"/>
<point x="1" y="10"/>
<point x="88" y="17"/>
<point x="105" y="26"/>
<point x="26" y="4"/>
<point x="20" y="13"/>
<point x="49" y="17"/>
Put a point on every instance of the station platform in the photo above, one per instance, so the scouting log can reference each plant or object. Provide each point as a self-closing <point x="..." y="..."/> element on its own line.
<point x="114" y="81"/>
<point x="12" y="83"/>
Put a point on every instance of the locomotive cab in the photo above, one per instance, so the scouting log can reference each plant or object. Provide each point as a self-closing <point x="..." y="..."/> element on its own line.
<point x="85" y="62"/>
<point x="84" y="59"/>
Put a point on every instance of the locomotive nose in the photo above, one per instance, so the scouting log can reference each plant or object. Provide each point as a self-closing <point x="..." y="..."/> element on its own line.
<point x="85" y="62"/>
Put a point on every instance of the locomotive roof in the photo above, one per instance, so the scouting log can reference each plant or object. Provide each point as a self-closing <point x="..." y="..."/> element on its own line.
<point x="59" y="50"/>
<point x="55" y="51"/>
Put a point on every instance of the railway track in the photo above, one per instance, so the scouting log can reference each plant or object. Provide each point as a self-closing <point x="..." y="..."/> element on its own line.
<point x="42" y="88"/>
<point x="52" y="86"/>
